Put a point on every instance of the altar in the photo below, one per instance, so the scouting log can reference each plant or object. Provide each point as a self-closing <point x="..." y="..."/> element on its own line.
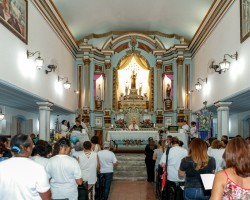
<point x="131" y="140"/>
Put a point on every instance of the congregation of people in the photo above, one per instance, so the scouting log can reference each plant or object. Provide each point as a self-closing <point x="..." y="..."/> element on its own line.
<point x="176" y="171"/>
<point x="34" y="169"/>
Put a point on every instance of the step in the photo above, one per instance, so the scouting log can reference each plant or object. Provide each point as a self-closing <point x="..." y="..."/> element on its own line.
<point x="130" y="168"/>
<point x="130" y="163"/>
<point x="130" y="173"/>
<point x="130" y="178"/>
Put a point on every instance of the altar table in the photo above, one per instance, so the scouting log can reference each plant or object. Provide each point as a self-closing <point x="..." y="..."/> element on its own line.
<point x="132" y="135"/>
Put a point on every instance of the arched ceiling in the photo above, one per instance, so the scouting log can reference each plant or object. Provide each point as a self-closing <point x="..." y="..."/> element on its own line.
<point x="84" y="17"/>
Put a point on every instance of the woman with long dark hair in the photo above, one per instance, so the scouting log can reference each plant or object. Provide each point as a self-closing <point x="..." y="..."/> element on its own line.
<point x="234" y="181"/>
<point x="150" y="163"/>
<point x="196" y="163"/>
<point x="64" y="171"/>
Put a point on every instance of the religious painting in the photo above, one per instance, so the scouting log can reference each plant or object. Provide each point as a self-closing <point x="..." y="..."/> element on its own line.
<point x="98" y="121"/>
<point x="244" y="20"/>
<point x="14" y="16"/>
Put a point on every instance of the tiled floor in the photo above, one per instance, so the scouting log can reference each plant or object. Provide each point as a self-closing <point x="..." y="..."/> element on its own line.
<point x="131" y="190"/>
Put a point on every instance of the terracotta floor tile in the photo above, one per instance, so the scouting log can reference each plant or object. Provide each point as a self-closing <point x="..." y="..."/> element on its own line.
<point x="131" y="190"/>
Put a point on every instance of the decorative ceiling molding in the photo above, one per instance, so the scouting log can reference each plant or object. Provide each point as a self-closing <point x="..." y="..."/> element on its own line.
<point x="214" y="15"/>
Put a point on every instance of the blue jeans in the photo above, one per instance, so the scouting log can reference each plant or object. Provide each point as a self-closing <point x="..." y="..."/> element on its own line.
<point x="108" y="177"/>
<point x="194" y="194"/>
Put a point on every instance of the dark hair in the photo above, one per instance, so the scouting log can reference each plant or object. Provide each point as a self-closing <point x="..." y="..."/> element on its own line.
<point x="237" y="156"/>
<point x="2" y="148"/>
<point x="3" y="139"/>
<point x="193" y="123"/>
<point x="42" y="149"/>
<point x="87" y="145"/>
<point x="224" y="137"/>
<point x="197" y="150"/>
<point x="60" y="143"/>
<point x="95" y="139"/>
<point x="63" y="121"/>
<point x="181" y="143"/>
<point x="19" y="143"/>
<point x="175" y="140"/>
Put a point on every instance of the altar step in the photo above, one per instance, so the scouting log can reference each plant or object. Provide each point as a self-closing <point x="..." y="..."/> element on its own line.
<point x="131" y="166"/>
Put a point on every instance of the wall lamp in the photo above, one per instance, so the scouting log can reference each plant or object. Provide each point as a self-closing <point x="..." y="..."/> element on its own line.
<point x="198" y="85"/>
<point x="38" y="60"/>
<point x="223" y="65"/>
<point x="66" y="84"/>
<point x="51" y="68"/>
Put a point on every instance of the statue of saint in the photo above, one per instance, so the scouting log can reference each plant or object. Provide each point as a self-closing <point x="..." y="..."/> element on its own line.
<point x="133" y="80"/>
<point x="168" y="91"/>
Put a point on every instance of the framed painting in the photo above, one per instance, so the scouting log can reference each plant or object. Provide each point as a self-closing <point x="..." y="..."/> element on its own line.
<point x="167" y="121"/>
<point x="244" y="20"/>
<point x="14" y="16"/>
<point x="98" y="121"/>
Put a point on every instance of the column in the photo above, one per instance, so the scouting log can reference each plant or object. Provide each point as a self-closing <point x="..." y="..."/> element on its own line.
<point x="222" y="118"/>
<point x="44" y="120"/>
<point x="107" y="86"/>
<point x="180" y="103"/>
<point x="86" y="91"/>
<point x="159" y="85"/>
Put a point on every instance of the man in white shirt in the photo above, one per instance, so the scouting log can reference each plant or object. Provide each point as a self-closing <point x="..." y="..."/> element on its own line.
<point x="107" y="161"/>
<point x="20" y="177"/>
<point x="133" y="126"/>
<point x="185" y="127"/>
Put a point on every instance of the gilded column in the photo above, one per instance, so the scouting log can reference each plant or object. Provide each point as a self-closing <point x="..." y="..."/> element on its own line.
<point x="107" y="86"/>
<point x="222" y="118"/>
<point x="159" y="85"/>
<point x="86" y="90"/>
<point x="180" y="104"/>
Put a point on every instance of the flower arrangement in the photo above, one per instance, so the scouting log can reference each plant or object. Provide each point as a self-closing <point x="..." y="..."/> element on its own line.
<point x="146" y="123"/>
<point x="120" y="123"/>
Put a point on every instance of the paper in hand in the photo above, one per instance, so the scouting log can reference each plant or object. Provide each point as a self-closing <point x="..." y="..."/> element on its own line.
<point x="207" y="180"/>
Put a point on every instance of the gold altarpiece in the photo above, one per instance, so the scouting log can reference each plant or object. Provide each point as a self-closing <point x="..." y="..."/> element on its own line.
<point x="134" y="87"/>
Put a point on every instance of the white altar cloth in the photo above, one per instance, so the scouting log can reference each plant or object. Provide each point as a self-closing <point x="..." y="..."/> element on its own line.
<point x="132" y="135"/>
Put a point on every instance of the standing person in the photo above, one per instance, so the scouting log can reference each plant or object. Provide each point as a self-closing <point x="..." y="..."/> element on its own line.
<point x="196" y="163"/>
<point x="64" y="128"/>
<point x="193" y="130"/>
<point x="150" y="163"/>
<point x="7" y="151"/>
<point x="107" y="161"/>
<point x="89" y="165"/>
<point x="185" y="127"/>
<point x="40" y="153"/>
<point x="234" y="181"/>
<point x="175" y="155"/>
<point x="20" y="177"/>
<point x="157" y="155"/>
<point x="78" y="126"/>
<point x="95" y="144"/>
<point x="64" y="172"/>
<point x="217" y="150"/>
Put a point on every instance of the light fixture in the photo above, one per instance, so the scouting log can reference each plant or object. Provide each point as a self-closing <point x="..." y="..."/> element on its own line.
<point x="51" y="68"/>
<point x="223" y="65"/>
<point x="66" y="84"/>
<point x="198" y="85"/>
<point x="1" y="115"/>
<point x="38" y="60"/>
<point x="76" y="91"/>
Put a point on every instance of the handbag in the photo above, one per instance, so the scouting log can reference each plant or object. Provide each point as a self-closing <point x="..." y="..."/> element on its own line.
<point x="164" y="177"/>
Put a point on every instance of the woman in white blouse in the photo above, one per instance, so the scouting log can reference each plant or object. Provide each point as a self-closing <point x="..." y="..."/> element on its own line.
<point x="64" y="172"/>
<point x="89" y="165"/>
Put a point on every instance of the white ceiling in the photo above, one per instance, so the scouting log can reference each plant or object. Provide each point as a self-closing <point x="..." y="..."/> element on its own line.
<point x="84" y="17"/>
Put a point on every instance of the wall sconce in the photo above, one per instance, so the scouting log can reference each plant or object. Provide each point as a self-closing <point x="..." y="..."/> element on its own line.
<point x="198" y="85"/>
<point x="38" y="60"/>
<point x="223" y="65"/>
<point x="1" y="114"/>
<point x="51" y="68"/>
<point x="66" y="84"/>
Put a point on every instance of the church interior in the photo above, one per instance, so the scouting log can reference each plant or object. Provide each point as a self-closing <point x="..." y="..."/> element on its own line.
<point x="113" y="64"/>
